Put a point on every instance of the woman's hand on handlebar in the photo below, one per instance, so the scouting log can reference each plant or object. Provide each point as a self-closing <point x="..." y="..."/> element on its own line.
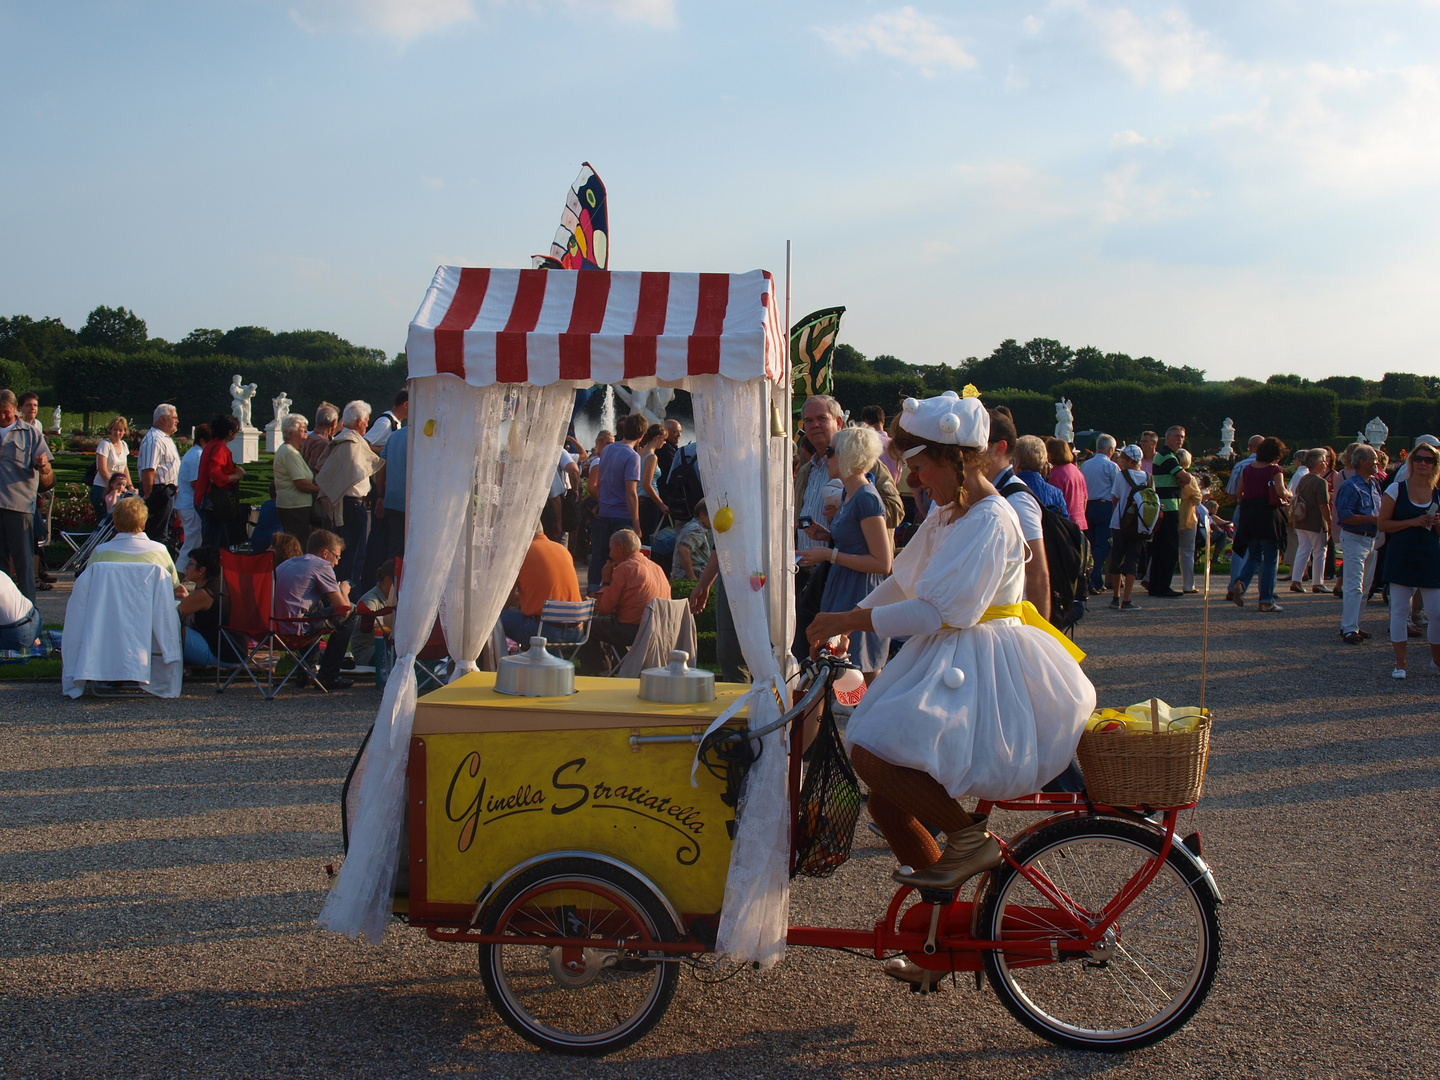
<point x="831" y="624"/>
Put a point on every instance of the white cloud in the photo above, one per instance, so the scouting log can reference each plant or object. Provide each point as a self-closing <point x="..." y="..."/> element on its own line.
<point x="1032" y="25"/>
<point x="1165" y="49"/>
<point x="1127" y="195"/>
<point x="1366" y="132"/>
<point x="1131" y="137"/>
<point x="903" y="35"/>
<point x="407" y="19"/>
<point x="403" y="19"/>
<point x="655" y="12"/>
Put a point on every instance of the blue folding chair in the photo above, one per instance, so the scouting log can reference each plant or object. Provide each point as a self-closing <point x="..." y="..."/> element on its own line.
<point x="571" y="621"/>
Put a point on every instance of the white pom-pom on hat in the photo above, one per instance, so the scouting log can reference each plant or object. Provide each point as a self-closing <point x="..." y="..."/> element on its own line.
<point x="910" y="404"/>
<point x="951" y="395"/>
<point x="949" y="423"/>
<point x="954" y="678"/>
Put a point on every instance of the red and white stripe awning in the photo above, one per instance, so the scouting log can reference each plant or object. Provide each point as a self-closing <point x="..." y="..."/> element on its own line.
<point x="603" y="326"/>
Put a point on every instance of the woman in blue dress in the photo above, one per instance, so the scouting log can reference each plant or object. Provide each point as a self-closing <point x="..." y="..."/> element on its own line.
<point x="861" y="552"/>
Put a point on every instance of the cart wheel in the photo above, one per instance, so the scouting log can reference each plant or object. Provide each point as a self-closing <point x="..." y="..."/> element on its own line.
<point x="582" y="999"/>
<point x="1151" y="971"/>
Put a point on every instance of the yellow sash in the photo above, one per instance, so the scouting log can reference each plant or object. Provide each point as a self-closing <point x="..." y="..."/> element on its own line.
<point x="1030" y="615"/>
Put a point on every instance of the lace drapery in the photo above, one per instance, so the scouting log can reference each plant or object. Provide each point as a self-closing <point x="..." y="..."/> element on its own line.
<point x="446" y="414"/>
<point x="517" y="459"/>
<point x="732" y="434"/>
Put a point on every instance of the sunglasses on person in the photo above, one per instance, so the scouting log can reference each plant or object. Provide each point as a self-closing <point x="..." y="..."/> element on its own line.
<point x="1422" y="459"/>
<point x="828" y="452"/>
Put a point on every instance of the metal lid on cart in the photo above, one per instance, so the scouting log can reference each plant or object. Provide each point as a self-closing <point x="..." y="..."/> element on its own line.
<point x="535" y="673"/>
<point x="677" y="682"/>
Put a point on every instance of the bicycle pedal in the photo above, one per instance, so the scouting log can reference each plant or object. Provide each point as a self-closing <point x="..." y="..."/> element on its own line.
<point x="937" y="896"/>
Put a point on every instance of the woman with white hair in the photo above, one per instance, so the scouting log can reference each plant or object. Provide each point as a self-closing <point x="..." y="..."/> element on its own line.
<point x="861" y="555"/>
<point x="295" y="487"/>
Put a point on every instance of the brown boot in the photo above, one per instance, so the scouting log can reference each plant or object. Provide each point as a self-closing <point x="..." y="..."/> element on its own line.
<point x="967" y="853"/>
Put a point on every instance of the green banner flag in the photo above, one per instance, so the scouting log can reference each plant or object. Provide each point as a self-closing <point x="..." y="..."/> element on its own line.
<point x="812" y="341"/>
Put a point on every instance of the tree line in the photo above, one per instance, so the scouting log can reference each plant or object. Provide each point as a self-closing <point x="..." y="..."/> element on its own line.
<point x="113" y="363"/>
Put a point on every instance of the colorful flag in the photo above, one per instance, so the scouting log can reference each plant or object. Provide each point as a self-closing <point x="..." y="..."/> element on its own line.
<point x="812" y="340"/>
<point x="583" y="240"/>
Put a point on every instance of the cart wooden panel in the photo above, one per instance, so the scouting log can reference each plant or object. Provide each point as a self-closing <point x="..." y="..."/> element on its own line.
<point x="496" y="780"/>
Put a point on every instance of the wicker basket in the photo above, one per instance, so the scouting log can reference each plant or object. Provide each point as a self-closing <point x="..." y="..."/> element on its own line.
<point x="1138" y="768"/>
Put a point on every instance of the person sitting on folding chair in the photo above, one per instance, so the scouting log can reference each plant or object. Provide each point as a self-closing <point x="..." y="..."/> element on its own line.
<point x="202" y="612"/>
<point x="548" y="573"/>
<point x="19" y="617"/>
<point x="130" y="544"/>
<point x="630" y="582"/>
<point x="306" y="587"/>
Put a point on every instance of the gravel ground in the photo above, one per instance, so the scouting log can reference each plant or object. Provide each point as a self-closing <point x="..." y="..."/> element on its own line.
<point x="162" y="863"/>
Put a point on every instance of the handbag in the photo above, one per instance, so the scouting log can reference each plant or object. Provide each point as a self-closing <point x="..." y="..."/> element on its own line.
<point x="662" y="540"/>
<point x="829" y="804"/>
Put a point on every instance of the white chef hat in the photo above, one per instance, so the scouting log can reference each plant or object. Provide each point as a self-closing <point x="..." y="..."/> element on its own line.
<point x="948" y="419"/>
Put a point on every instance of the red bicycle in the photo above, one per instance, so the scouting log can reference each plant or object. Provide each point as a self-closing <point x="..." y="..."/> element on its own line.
<point x="1099" y="931"/>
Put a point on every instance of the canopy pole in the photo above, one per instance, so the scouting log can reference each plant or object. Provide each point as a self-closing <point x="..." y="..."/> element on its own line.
<point x="469" y="567"/>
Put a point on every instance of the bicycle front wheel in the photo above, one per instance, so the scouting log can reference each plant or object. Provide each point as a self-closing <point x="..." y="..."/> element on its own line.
<point x="1149" y="973"/>
<point x="590" y="998"/>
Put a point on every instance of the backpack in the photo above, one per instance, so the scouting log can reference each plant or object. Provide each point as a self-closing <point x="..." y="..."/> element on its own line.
<point x="1067" y="557"/>
<point x="681" y="488"/>
<point x="1142" y="509"/>
<point x="1299" y="508"/>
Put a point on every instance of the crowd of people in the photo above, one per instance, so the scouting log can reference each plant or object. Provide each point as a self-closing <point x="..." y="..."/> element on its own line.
<point x="632" y="508"/>
<point x="334" y="524"/>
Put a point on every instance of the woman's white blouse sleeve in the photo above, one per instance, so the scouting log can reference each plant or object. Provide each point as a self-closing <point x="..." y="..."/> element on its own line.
<point x="963" y="576"/>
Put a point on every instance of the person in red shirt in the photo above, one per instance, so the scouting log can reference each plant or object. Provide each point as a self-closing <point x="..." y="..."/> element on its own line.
<point x="548" y="573"/>
<point x="629" y="582"/>
<point x="217" y="487"/>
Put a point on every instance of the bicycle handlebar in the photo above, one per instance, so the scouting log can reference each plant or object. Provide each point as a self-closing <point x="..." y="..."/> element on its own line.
<point x="824" y="673"/>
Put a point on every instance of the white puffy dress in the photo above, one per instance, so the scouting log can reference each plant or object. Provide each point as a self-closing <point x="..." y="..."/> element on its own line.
<point x="1012" y="724"/>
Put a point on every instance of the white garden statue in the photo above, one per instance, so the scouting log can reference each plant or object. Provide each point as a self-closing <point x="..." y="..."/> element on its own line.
<point x="241" y="393"/>
<point x="648" y="403"/>
<point x="1064" y="421"/>
<point x="1376" y="432"/>
<point x="281" y="405"/>
<point x="57" y="415"/>
<point x="1227" y="439"/>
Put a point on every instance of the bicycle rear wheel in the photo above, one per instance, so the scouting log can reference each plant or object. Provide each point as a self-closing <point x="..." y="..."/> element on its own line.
<point x="583" y="999"/>
<point x="1144" y="979"/>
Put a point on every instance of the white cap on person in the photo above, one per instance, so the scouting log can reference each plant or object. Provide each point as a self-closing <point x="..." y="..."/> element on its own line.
<point x="1134" y="453"/>
<point x="947" y="419"/>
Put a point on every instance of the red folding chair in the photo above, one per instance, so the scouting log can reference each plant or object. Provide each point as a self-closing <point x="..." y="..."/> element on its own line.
<point x="251" y="626"/>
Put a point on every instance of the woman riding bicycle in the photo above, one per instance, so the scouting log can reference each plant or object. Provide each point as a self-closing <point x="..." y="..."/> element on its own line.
<point x="984" y="699"/>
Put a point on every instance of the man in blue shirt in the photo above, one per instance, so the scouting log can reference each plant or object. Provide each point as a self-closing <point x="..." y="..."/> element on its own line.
<point x="389" y="497"/>
<point x="619" y="502"/>
<point x="1357" y="509"/>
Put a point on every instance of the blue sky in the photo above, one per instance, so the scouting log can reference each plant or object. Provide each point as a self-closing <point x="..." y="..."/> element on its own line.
<point x="1244" y="187"/>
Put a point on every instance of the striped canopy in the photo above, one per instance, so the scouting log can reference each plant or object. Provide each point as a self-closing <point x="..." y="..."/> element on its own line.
<point x="596" y="326"/>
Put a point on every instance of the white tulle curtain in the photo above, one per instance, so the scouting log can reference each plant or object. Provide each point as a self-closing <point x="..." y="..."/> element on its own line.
<point x="446" y="414"/>
<point x="732" y="432"/>
<point x="521" y="434"/>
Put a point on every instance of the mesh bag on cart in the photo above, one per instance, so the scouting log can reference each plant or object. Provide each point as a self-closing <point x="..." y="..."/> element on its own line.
<point x="829" y="804"/>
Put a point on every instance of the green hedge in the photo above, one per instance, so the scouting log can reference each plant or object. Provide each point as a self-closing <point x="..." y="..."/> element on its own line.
<point x="1299" y="415"/>
<point x="199" y="387"/>
<point x="14" y="376"/>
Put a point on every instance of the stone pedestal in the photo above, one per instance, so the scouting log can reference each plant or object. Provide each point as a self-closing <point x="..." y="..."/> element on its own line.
<point x="245" y="447"/>
<point x="272" y="436"/>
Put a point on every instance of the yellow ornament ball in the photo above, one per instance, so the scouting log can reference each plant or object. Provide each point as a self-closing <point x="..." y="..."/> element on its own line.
<point x="724" y="518"/>
<point x="430" y="427"/>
